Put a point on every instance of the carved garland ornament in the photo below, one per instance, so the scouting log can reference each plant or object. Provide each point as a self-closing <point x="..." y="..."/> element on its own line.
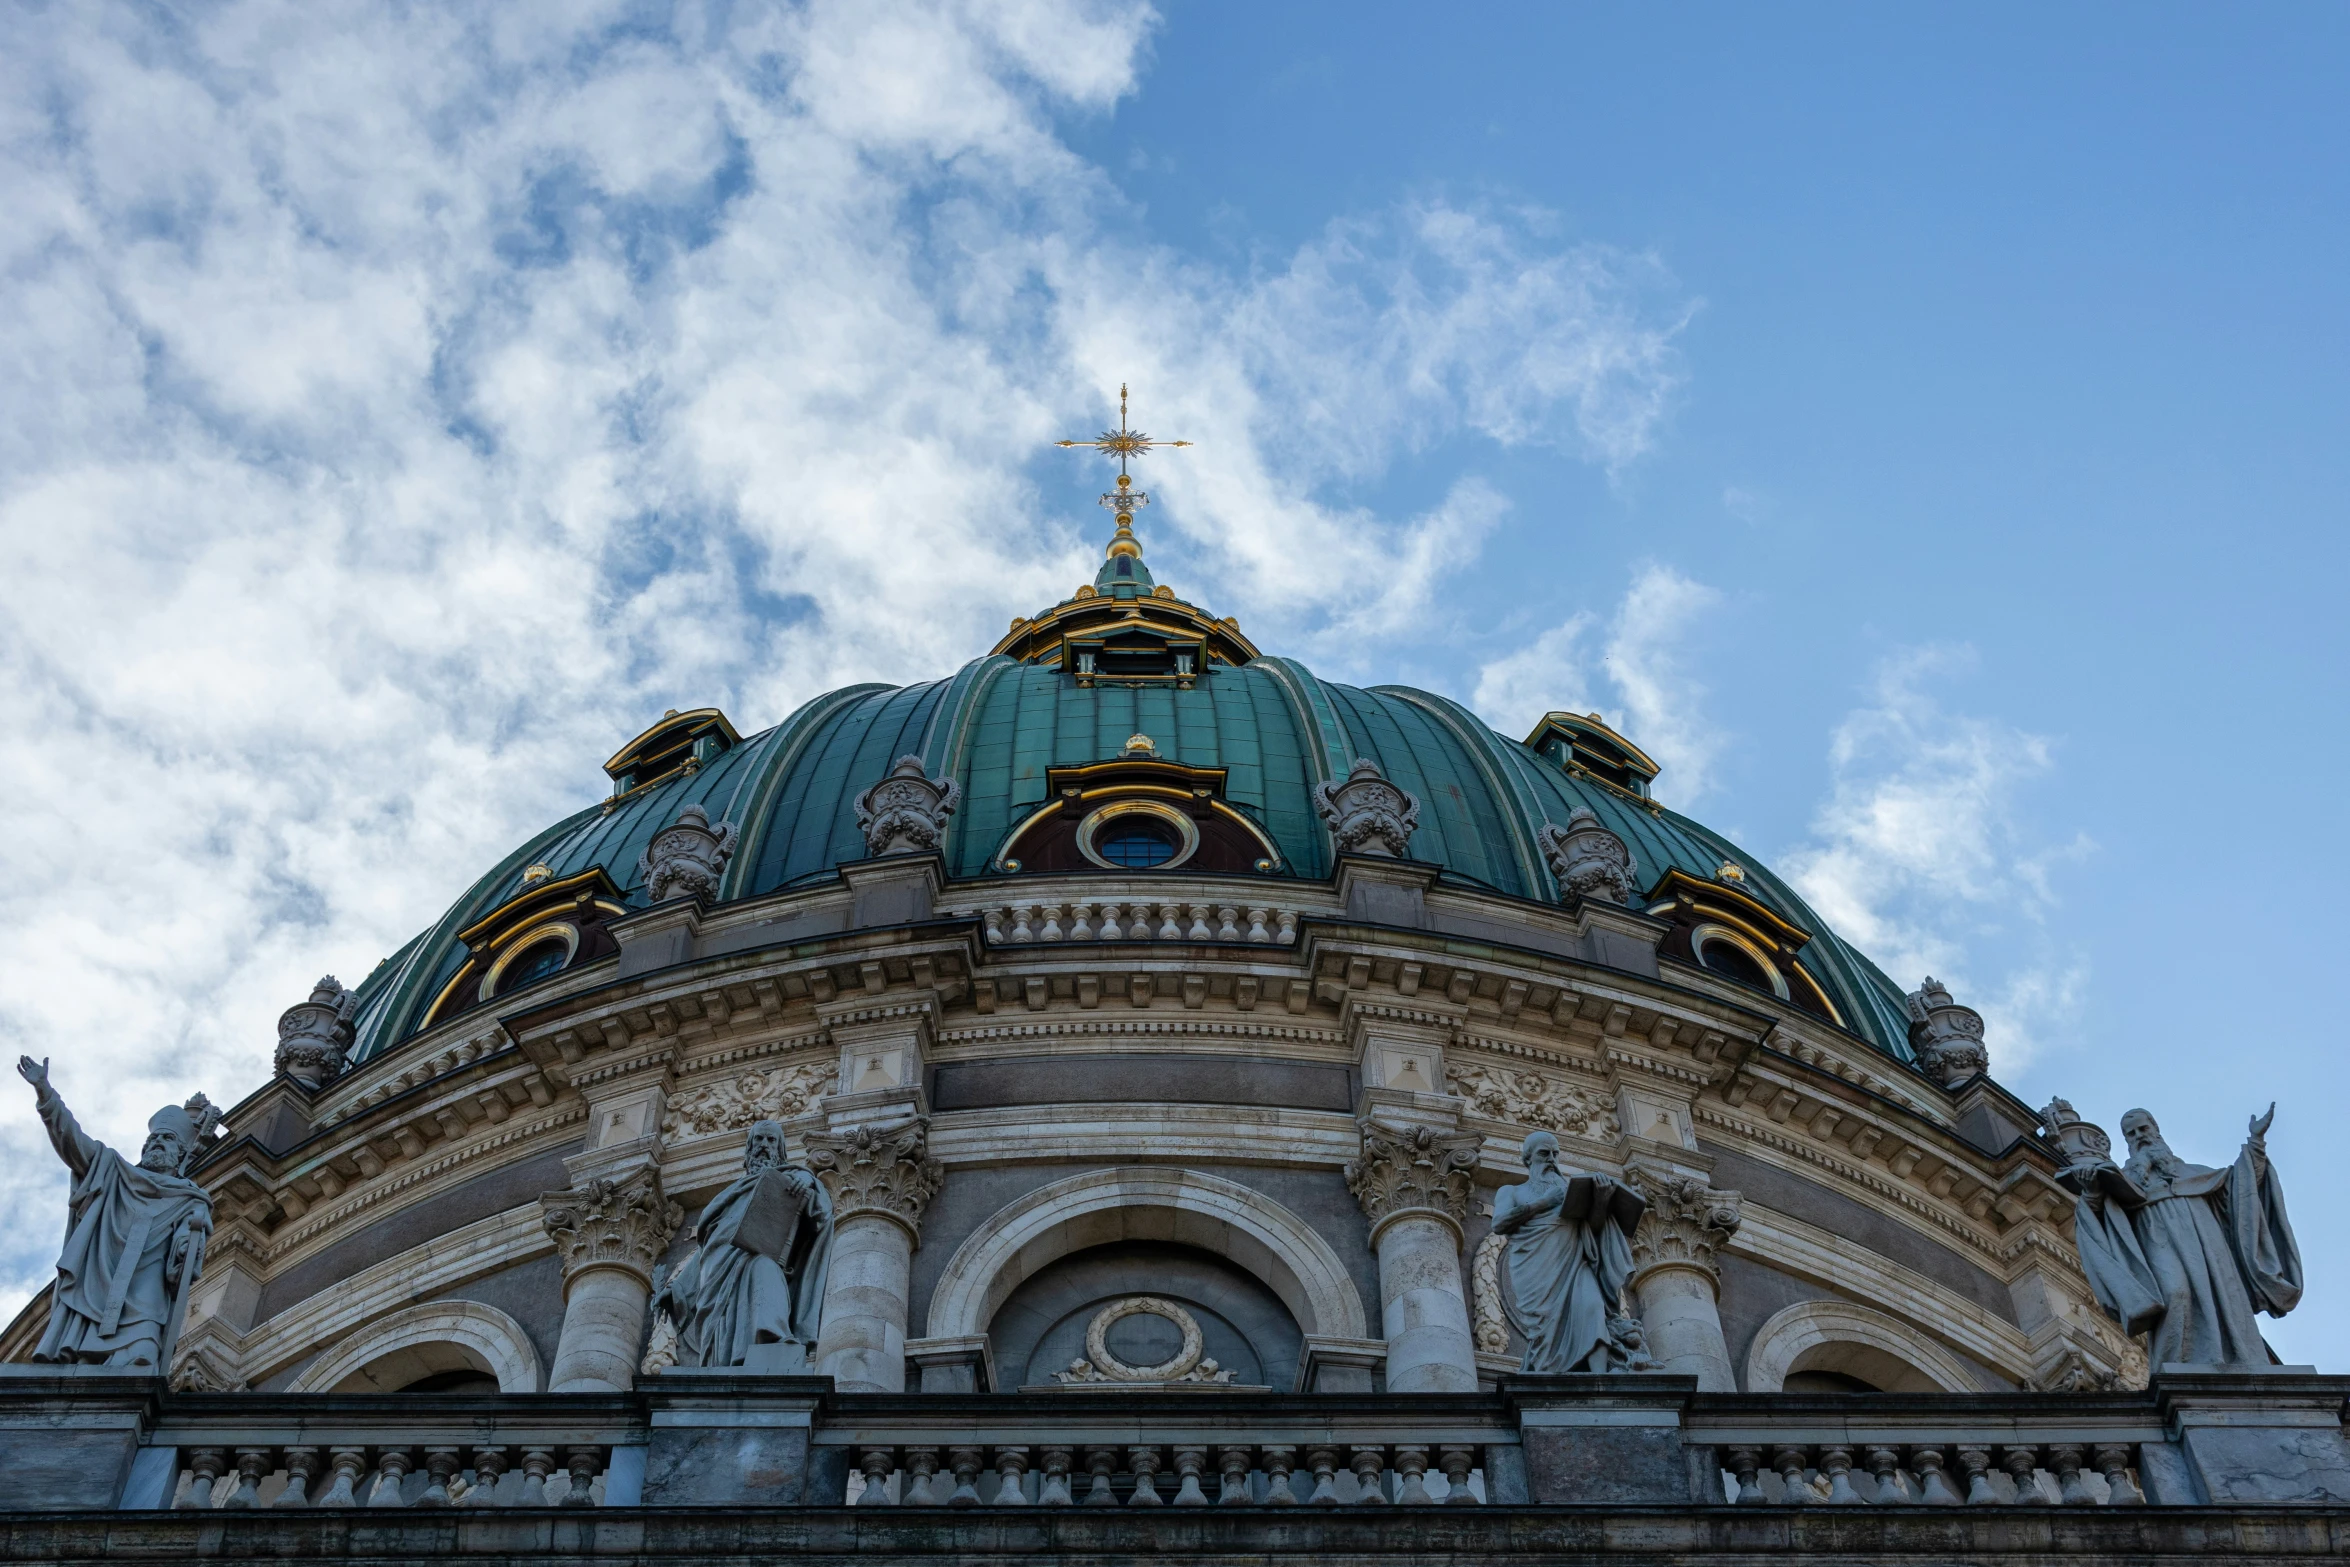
<point x="686" y="858"/>
<point x="1491" y="1328"/>
<point x="1588" y="860"/>
<point x="1531" y="1099"/>
<point x="1408" y="1168"/>
<point x="1687" y="1223"/>
<point x="1366" y="814"/>
<point x="878" y="1169"/>
<point x="612" y="1224"/>
<point x="906" y="813"/>
<point x="775" y="1094"/>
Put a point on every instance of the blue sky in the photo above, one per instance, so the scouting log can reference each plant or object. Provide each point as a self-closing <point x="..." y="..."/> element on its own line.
<point x="1923" y="429"/>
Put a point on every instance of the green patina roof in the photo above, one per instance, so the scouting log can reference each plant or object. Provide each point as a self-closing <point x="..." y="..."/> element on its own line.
<point x="998" y="724"/>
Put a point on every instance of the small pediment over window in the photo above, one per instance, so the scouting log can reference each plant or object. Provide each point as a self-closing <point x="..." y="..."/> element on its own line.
<point x="1586" y="747"/>
<point x="1138" y="811"/>
<point x="680" y="742"/>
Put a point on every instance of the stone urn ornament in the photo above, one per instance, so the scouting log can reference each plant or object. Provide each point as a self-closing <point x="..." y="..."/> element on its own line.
<point x="314" y="1035"/>
<point x="685" y="859"/>
<point x="1366" y="814"/>
<point x="906" y="813"/>
<point x="1588" y="860"/>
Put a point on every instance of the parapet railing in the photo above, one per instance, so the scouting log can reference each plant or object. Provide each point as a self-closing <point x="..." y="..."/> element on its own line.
<point x="1189" y="919"/>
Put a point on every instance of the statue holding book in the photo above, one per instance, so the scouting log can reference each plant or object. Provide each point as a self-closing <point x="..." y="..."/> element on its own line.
<point x="1569" y="1257"/>
<point x="750" y="1293"/>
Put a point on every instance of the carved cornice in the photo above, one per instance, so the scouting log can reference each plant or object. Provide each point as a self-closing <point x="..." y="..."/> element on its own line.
<point x="1413" y="1169"/>
<point x="1686" y="1225"/>
<point x="1086" y="1025"/>
<point x="624" y="1223"/>
<point x="885" y="1170"/>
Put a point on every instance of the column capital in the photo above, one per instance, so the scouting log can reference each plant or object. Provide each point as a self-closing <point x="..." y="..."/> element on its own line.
<point x="885" y="1170"/>
<point x="1413" y="1169"/>
<point x="622" y="1222"/>
<point x="1687" y="1223"/>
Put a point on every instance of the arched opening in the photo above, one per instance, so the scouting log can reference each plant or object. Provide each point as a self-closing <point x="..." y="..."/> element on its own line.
<point x="423" y="1368"/>
<point x="1043" y="1325"/>
<point x="442" y="1346"/>
<point x="1837" y="1346"/>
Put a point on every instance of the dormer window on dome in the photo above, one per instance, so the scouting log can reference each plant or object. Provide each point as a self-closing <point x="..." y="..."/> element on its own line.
<point x="542" y="930"/>
<point x="680" y="743"/>
<point x="1721" y="927"/>
<point x="1137" y="812"/>
<point x="1586" y="747"/>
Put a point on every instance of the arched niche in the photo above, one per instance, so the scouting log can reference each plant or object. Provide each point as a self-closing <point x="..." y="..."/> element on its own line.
<point x="1185" y="1207"/>
<point x="1852" y="1342"/>
<point x="435" y="1339"/>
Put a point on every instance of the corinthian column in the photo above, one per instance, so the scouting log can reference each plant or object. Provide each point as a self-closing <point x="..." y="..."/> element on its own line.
<point x="1414" y="1184"/>
<point x="1676" y="1278"/>
<point x="880" y="1178"/>
<point x="609" y="1233"/>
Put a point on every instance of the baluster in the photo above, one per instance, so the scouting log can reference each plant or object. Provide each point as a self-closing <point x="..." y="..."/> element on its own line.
<point x="1020" y="917"/>
<point x="920" y="1490"/>
<point x="301" y="1468"/>
<point x="583" y="1462"/>
<point x="1201" y="930"/>
<point x="1836" y="1464"/>
<point x="2071" y="1489"/>
<point x="391" y="1471"/>
<point x="1102" y="1462"/>
<point x="1278" y="1462"/>
<point x="1052" y="923"/>
<point x="489" y="1466"/>
<point x="349" y="1464"/>
<point x="206" y="1464"/>
<point x="1010" y="1464"/>
<point x="1456" y="1462"/>
<point x="1288" y="931"/>
<point x="2113" y="1462"/>
<point x="1789" y="1461"/>
<point x="2022" y="1465"/>
<point x="1934" y="1487"/>
<point x="537" y="1464"/>
<point x="1256" y="924"/>
<point x="965" y="1462"/>
<point x="877" y="1465"/>
<point x="1976" y="1461"/>
<point x="440" y="1467"/>
<point x="1746" y="1464"/>
<point x="1227" y="923"/>
<point x="1411" y="1466"/>
<point x="1189" y="1461"/>
<point x="1081" y="922"/>
<point x="1110" y="930"/>
<point x="1054" y="1491"/>
<point x="1323" y="1461"/>
<point x="1233" y="1491"/>
<point x="1369" y="1464"/>
<point x="253" y="1467"/>
<point x="993" y="919"/>
<point x="1143" y="1463"/>
<point x="1885" y="1464"/>
<point x="1170" y="922"/>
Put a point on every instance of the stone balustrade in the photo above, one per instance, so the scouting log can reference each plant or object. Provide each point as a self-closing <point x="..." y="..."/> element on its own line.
<point x="1202" y="1473"/>
<point x="1195" y="919"/>
<point x="451" y="1473"/>
<point x="1884" y="1473"/>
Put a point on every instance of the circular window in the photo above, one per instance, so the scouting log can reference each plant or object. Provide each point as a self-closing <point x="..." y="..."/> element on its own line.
<point x="547" y="957"/>
<point x="1135" y="842"/>
<point x="1732" y="958"/>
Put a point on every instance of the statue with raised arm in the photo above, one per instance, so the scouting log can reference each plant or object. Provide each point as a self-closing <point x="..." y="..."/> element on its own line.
<point x="2182" y="1252"/>
<point x="1569" y="1257"/>
<point x="757" y="1276"/>
<point x="134" y="1235"/>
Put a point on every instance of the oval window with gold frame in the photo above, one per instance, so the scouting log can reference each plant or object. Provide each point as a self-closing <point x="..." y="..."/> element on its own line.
<point x="1137" y="835"/>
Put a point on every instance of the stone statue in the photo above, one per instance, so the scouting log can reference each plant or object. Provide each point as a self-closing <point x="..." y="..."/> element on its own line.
<point x="1947" y="1037"/>
<point x="2181" y="1252"/>
<point x="1588" y="860"/>
<point x="1366" y="814"/>
<point x="686" y="858"/>
<point x="1569" y="1257"/>
<point x="906" y="813"/>
<point x="757" y="1276"/>
<point x="313" y="1035"/>
<point x="134" y="1237"/>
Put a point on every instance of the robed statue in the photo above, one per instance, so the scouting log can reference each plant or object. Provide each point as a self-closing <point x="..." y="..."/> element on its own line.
<point x="134" y="1235"/>
<point x="757" y="1277"/>
<point x="2181" y="1252"/>
<point x="1569" y="1257"/>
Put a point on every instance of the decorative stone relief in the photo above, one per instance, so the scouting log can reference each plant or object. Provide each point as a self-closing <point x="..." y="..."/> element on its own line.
<point x="313" y="1035"/>
<point x="1366" y="814"/>
<point x="612" y="1224"/>
<point x="1490" y="1326"/>
<point x="1627" y="1345"/>
<point x="1531" y="1099"/>
<point x="1404" y="1168"/>
<point x="685" y="859"/>
<point x="1588" y="860"/>
<point x="906" y="813"/>
<point x="1687" y="1223"/>
<point x="884" y="1169"/>
<point x="660" y="1346"/>
<point x="775" y="1094"/>
<point x="1947" y="1037"/>
<point x="1185" y="1365"/>
<point x="205" y="1370"/>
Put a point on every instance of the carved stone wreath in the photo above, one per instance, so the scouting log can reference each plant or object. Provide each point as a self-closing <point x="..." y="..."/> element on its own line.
<point x="1097" y="1345"/>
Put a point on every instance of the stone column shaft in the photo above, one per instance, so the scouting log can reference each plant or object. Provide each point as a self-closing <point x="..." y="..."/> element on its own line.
<point x="1414" y="1184"/>
<point x="881" y="1179"/>
<point x="609" y="1233"/>
<point x="1676" y="1277"/>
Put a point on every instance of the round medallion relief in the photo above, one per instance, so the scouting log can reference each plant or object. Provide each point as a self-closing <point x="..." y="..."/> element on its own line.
<point x="1097" y="1347"/>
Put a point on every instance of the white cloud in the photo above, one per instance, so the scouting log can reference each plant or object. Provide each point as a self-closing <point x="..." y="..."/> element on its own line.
<point x="402" y="404"/>
<point x="1639" y="659"/>
<point x="1918" y="858"/>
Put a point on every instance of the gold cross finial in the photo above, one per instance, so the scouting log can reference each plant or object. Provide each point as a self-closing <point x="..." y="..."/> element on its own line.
<point x="1123" y="443"/>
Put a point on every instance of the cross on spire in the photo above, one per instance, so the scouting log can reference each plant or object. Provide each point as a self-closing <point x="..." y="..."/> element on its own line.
<point x="1123" y="443"/>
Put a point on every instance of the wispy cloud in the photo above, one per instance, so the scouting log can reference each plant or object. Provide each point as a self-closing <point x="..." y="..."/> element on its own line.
<point x="1634" y="669"/>
<point x="401" y="404"/>
<point x="1918" y="857"/>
